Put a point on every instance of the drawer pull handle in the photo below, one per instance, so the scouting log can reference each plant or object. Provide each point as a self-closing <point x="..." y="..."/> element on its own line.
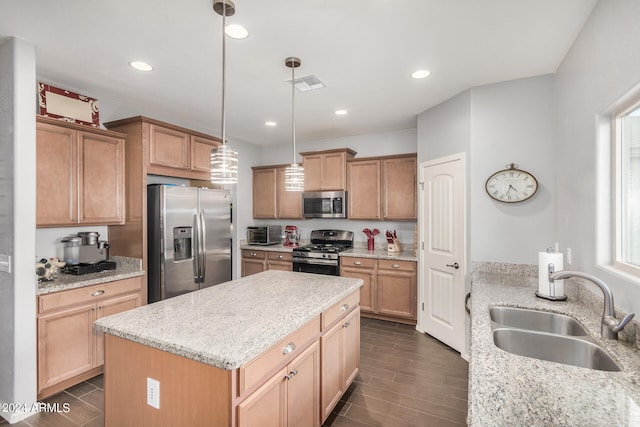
<point x="344" y="307"/>
<point x="289" y="348"/>
<point x="346" y="324"/>
<point x="291" y="375"/>
<point x="357" y="262"/>
<point x="395" y="266"/>
<point x="97" y="293"/>
<point x="280" y="257"/>
<point x="253" y="254"/>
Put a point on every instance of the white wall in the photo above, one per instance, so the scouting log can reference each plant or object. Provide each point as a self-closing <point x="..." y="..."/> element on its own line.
<point x="602" y="65"/>
<point x="379" y="144"/>
<point x="17" y="225"/>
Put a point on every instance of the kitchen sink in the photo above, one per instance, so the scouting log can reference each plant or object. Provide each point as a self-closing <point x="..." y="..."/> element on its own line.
<point x="535" y="320"/>
<point x="554" y="348"/>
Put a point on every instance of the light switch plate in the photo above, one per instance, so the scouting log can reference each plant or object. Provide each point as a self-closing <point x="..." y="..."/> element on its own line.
<point x="5" y="263"/>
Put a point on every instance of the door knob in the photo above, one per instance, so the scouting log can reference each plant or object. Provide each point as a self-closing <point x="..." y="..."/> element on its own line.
<point x="454" y="265"/>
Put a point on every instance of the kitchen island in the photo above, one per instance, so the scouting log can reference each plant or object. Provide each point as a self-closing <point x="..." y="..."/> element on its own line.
<point x="245" y="352"/>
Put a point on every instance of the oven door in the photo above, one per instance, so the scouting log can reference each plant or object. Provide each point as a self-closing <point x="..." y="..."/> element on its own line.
<point x="317" y="266"/>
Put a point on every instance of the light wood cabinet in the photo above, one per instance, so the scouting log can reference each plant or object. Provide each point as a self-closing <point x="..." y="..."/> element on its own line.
<point x="340" y="355"/>
<point x="390" y="287"/>
<point x="326" y="170"/>
<point x="69" y="350"/>
<point x="253" y="262"/>
<point x="383" y="188"/>
<point x="280" y="261"/>
<point x="288" y="398"/>
<point x="271" y="200"/>
<point x="80" y="178"/>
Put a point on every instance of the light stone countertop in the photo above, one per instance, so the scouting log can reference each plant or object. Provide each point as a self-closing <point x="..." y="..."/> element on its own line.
<point x="125" y="269"/>
<point x="510" y="390"/>
<point x="269" y="248"/>
<point x="228" y="325"/>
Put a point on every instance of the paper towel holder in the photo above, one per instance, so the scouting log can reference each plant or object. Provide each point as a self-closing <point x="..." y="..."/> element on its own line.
<point x="551" y="296"/>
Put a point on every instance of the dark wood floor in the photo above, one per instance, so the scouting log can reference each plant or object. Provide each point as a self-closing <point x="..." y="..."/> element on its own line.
<point x="406" y="379"/>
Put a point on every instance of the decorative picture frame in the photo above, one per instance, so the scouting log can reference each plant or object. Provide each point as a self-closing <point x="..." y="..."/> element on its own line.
<point x="67" y="106"/>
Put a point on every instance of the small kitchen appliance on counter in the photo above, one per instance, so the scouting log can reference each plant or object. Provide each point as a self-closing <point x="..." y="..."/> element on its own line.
<point x="264" y="235"/>
<point x="84" y="253"/>
<point x="321" y="256"/>
<point x="291" y="236"/>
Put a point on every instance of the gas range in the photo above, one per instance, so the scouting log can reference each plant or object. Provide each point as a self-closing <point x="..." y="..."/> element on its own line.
<point x="321" y="256"/>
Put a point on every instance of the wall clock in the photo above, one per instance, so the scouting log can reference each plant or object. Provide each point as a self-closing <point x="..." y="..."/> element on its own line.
<point x="511" y="185"/>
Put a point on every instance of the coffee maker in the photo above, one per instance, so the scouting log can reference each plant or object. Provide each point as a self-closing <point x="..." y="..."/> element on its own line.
<point x="291" y="236"/>
<point x="85" y="253"/>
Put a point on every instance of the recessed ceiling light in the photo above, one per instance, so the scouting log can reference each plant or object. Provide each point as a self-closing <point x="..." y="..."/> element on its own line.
<point x="420" y="74"/>
<point x="341" y="112"/>
<point x="236" y="31"/>
<point x="140" y="66"/>
<point x="270" y="123"/>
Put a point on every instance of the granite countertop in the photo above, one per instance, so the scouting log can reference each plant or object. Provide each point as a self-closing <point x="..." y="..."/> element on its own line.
<point x="230" y="324"/>
<point x="380" y="254"/>
<point x="125" y="268"/>
<point x="269" y="248"/>
<point x="507" y="389"/>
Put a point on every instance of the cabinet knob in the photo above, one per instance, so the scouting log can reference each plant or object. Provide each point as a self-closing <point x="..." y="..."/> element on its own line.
<point x="395" y="266"/>
<point x="289" y="348"/>
<point x="346" y="324"/>
<point x="291" y="374"/>
<point x="344" y="307"/>
<point x="356" y="263"/>
<point x="280" y="257"/>
<point x="253" y="254"/>
<point x="97" y="293"/>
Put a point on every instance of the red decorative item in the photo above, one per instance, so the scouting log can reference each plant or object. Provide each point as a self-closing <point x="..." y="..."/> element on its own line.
<point x="67" y="106"/>
<point x="371" y="237"/>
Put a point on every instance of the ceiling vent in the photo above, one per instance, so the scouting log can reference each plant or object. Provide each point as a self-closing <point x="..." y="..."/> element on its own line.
<point x="307" y="83"/>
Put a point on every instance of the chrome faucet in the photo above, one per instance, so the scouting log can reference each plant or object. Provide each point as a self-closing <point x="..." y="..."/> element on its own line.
<point x="610" y="325"/>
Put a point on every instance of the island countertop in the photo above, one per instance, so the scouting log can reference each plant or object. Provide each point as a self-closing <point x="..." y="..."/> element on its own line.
<point x="507" y="389"/>
<point x="228" y="325"/>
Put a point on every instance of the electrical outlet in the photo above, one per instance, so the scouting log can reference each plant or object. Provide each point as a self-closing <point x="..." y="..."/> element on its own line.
<point x="569" y="256"/>
<point x="153" y="393"/>
<point x="5" y="263"/>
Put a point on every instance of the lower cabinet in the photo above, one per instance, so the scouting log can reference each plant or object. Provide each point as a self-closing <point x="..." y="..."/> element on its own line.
<point x="289" y="398"/>
<point x="69" y="350"/>
<point x="257" y="261"/>
<point x="340" y="356"/>
<point x="280" y="261"/>
<point x="390" y="287"/>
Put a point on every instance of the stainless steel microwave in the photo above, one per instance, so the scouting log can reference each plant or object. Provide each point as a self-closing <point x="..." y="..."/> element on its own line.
<point x="264" y="235"/>
<point x="324" y="204"/>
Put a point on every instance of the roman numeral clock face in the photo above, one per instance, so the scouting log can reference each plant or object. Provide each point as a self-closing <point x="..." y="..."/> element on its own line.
<point x="511" y="185"/>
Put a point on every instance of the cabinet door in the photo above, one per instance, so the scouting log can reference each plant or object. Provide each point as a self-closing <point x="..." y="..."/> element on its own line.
<point x="303" y="389"/>
<point x="312" y="172"/>
<point x="289" y="202"/>
<point x="201" y="153"/>
<point x="364" y="189"/>
<point x="264" y="193"/>
<point x="65" y="344"/>
<point x="397" y="293"/>
<point x="351" y="348"/>
<point x="101" y="175"/>
<point x="56" y="176"/>
<point x="368" y="276"/>
<point x="334" y="171"/>
<point x="399" y="198"/>
<point x="168" y="147"/>
<point x="266" y="406"/>
<point x="109" y="307"/>
<point x="332" y="368"/>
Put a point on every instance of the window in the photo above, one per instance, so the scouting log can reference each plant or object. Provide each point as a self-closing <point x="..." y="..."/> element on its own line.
<point x="627" y="169"/>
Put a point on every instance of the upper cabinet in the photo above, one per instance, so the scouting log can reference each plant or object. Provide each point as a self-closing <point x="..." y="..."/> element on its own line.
<point x="326" y="170"/>
<point x="270" y="198"/>
<point x="80" y="178"/>
<point x="383" y="188"/>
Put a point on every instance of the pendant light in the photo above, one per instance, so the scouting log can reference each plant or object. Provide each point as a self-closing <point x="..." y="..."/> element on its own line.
<point x="294" y="173"/>
<point x="224" y="160"/>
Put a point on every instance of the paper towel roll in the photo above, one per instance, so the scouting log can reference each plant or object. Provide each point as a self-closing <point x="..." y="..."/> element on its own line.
<point x="545" y="286"/>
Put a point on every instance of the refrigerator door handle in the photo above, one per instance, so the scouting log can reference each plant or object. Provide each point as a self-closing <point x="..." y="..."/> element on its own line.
<point x="203" y="248"/>
<point x="196" y="247"/>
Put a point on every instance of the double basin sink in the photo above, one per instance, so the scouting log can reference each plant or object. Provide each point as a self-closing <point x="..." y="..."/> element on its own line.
<point x="547" y="336"/>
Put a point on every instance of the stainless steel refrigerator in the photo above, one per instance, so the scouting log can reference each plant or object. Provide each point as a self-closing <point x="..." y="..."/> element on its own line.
<point x="189" y="239"/>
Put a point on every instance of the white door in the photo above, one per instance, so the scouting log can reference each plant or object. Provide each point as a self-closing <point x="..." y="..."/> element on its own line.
<point x="442" y="221"/>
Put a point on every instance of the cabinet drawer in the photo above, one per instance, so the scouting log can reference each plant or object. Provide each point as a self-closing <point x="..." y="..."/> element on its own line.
<point x="61" y="299"/>
<point x="250" y="253"/>
<point x="389" y="264"/>
<point x="280" y="256"/>
<point x="332" y="314"/>
<point x="357" y="262"/>
<point x="278" y="355"/>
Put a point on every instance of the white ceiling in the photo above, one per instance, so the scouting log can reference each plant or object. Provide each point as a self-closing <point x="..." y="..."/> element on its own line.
<point x="363" y="50"/>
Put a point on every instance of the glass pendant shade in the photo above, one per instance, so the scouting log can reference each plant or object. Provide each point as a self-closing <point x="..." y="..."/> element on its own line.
<point x="294" y="177"/>
<point x="224" y="165"/>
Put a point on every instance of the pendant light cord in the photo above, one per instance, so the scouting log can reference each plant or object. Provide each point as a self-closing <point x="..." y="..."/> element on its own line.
<point x="293" y="112"/>
<point x="224" y="71"/>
